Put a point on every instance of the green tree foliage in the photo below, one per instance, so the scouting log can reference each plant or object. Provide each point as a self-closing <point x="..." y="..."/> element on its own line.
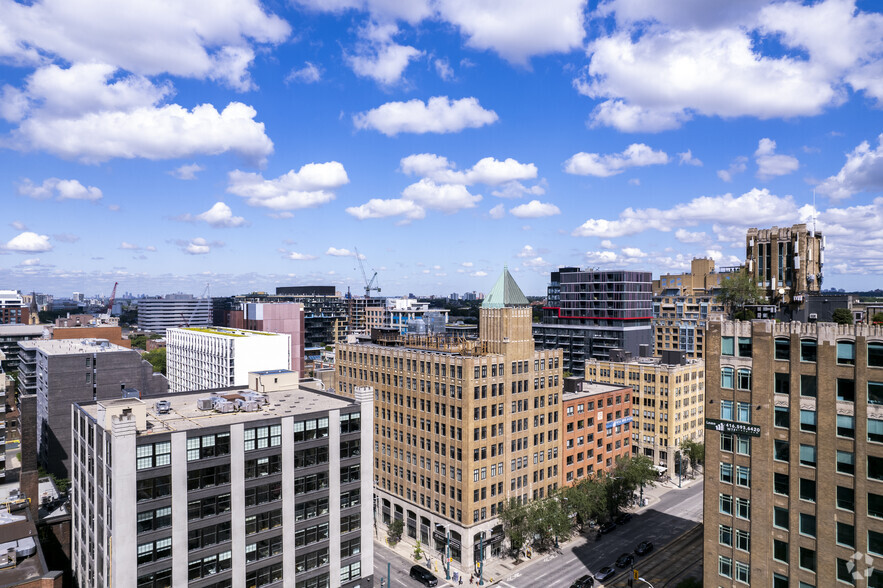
<point x="877" y="318"/>
<point x="157" y="359"/>
<point x="549" y="519"/>
<point x="587" y="500"/>
<point x="842" y="316"/>
<point x="394" y="531"/>
<point x="418" y="551"/>
<point x="516" y="521"/>
<point x="737" y="291"/>
<point x="140" y="341"/>
<point x="629" y="474"/>
<point x="693" y="451"/>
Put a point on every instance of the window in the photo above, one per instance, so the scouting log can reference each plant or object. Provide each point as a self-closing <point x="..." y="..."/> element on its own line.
<point x="780" y="581"/>
<point x="845" y="390"/>
<point x="744" y="380"/>
<point x="875" y="431"/>
<point x="726" y="504"/>
<point x="782" y="383"/>
<point x="875" y="542"/>
<point x="780" y="518"/>
<point x="807" y="489"/>
<point x="846" y="534"/>
<point x="743" y="476"/>
<point x="152" y="520"/>
<point x="152" y="455"/>
<point x="845" y="498"/>
<point x="808" y="455"/>
<point x="808" y="559"/>
<point x="846" y="462"/>
<point x="726" y="473"/>
<point x="808" y="350"/>
<point x="808" y="421"/>
<point x="743" y="412"/>
<point x="743" y="508"/>
<point x="780" y="550"/>
<point x="875" y="354"/>
<point x="875" y="392"/>
<point x="727" y="377"/>
<point x="154" y="551"/>
<point x="351" y="572"/>
<point x="781" y="450"/>
<point x="208" y="446"/>
<point x="846" y="426"/>
<point x="846" y="352"/>
<point x="743" y="572"/>
<point x="783" y="349"/>
<point x="263" y="437"/>
<point x="728" y="346"/>
<point x="743" y="540"/>
<point x="781" y="484"/>
<point x="875" y="505"/>
<point x="844" y="571"/>
<point x="743" y="445"/>
<point x="725" y="566"/>
<point x="744" y="346"/>
<point x="726" y="410"/>
<point x="807" y="524"/>
<point x="808" y="386"/>
<point x="782" y="417"/>
<point x="727" y="442"/>
<point x="875" y="467"/>
<point x="725" y="535"/>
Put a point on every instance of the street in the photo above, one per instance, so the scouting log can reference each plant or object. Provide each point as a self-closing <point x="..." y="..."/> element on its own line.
<point x="676" y="513"/>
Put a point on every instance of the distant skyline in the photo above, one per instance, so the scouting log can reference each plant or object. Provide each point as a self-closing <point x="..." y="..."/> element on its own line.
<point x="249" y="145"/>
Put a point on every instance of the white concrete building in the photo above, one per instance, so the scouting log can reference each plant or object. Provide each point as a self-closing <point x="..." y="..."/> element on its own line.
<point x="185" y="492"/>
<point x="175" y="310"/>
<point x="203" y="358"/>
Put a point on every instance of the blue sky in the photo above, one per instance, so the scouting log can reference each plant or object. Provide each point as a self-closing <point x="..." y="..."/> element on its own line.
<point x="248" y="144"/>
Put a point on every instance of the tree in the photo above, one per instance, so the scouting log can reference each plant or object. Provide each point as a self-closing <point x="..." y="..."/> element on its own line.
<point x="394" y="531"/>
<point x="842" y="316"/>
<point x="157" y="359"/>
<point x="877" y="318"/>
<point x="738" y="291"/>
<point x="418" y="552"/>
<point x="549" y="519"/>
<point x="629" y="474"/>
<point x="516" y="524"/>
<point x="695" y="452"/>
<point x="587" y="500"/>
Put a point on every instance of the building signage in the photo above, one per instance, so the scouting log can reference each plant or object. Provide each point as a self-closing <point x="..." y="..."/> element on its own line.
<point x="440" y="537"/>
<point x="732" y="427"/>
<point x="618" y="422"/>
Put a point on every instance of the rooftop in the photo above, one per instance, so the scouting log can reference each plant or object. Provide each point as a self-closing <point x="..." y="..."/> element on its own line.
<point x="505" y="293"/>
<point x="185" y="415"/>
<point x="592" y="389"/>
<point x="71" y="346"/>
<point x="228" y="332"/>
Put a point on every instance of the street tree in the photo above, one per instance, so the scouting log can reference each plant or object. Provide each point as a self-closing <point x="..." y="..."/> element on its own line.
<point x="695" y="452"/>
<point x="842" y="316"/>
<point x="515" y="518"/>
<point x="587" y="499"/>
<point x="629" y="474"/>
<point x="549" y="519"/>
<point x="737" y="291"/>
<point x="394" y="531"/>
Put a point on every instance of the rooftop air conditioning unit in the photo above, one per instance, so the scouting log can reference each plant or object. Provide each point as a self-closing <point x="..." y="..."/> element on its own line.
<point x="205" y="403"/>
<point x="163" y="406"/>
<point x="225" y="406"/>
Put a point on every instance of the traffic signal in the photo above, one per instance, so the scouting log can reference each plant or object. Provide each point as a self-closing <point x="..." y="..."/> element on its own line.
<point x="635" y="572"/>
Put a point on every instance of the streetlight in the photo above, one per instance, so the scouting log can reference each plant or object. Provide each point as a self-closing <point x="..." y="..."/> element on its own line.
<point x="646" y="582"/>
<point x="448" y="554"/>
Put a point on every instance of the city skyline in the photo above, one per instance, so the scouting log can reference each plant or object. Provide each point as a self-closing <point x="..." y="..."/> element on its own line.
<point x="257" y="145"/>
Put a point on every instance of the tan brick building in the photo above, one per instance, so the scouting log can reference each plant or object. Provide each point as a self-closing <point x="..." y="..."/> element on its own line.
<point x="460" y="425"/>
<point x="667" y="403"/>
<point x="595" y="429"/>
<point x="785" y="261"/>
<point x="794" y="453"/>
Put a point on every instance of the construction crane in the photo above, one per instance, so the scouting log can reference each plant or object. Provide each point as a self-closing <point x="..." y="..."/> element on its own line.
<point x="113" y="296"/>
<point x="206" y="294"/>
<point x="369" y="284"/>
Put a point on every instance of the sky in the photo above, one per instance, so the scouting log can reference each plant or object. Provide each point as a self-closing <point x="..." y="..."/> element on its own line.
<point x="242" y="145"/>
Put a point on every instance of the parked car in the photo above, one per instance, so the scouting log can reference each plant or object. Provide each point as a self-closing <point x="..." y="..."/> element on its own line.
<point x="625" y="560"/>
<point x="423" y="576"/>
<point x="623" y="518"/>
<point x="584" y="582"/>
<point x="607" y="527"/>
<point x="605" y="573"/>
<point x="643" y="548"/>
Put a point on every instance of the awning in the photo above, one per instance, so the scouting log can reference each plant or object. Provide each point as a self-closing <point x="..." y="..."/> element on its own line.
<point x="660" y="469"/>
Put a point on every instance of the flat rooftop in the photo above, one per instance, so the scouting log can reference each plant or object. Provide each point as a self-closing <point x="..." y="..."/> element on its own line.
<point x="592" y="389"/>
<point x="228" y="332"/>
<point x="184" y="415"/>
<point x="72" y="346"/>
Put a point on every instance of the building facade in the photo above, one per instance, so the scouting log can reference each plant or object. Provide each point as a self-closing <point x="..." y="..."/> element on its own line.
<point x="174" y="310"/>
<point x="60" y="373"/>
<point x="588" y="313"/>
<point x="461" y="426"/>
<point x="190" y="495"/>
<point x="667" y="402"/>
<point x="282" y="317"/>
<point x="218" y="357"/>
<point x="794" y="454"/>
<point x="595" y="429"/>
<point x="786" y="262"/>
<point x="13" y="309"/>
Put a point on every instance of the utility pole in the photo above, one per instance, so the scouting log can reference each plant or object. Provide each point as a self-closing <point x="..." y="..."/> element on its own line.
<point x="448" y="555"/>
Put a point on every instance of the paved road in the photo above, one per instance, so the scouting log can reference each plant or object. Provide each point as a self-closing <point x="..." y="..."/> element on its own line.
<point x="677" y="512"/>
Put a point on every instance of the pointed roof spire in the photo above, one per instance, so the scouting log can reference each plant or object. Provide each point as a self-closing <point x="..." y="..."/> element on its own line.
<point x="505" y="293"/>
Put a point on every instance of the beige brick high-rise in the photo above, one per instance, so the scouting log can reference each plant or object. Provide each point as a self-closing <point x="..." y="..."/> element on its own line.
<point x="460" y="425"/>
<point x="794" y="453"/>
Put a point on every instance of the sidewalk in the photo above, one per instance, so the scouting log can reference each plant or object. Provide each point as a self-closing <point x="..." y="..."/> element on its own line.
<point x="497" y="570"/>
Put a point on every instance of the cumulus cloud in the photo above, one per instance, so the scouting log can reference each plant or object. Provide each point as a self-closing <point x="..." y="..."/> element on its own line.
<point x="633" y="252"/>
<point x="125" y="245"/>
<point x="535" y="209"/>
<point x="478" y="274"/>
<point x="294" y="255"/>
<point x="380" y="208"/>
<point x="488" y="170"/>
<point x="447" y="198"/>
<point x="219" y="215"/>
<point x="601" y="257"/>
<point x="863" y="171"/>
<point x="756" y="207"/>
<point x="497" y="212"/>
<point x="308" y="74"/>
<point x="685" y="236"/>
<point x="603" y="166"/>
<point x="187" y="171"/>
<point x="443" y="69"/>
<point x="736" y="167"/>
<point x="378" y="56"/>
<point x="686" y="158"/>
<point x="335" y="252"/>
<point x="769" y="163"/>
<point x="29" y="242"/>
<point x="59" y="189"/>
<point x="312" y="185"/>
<point x="438" y="115"/>
<point x="198" y="246"/>
<point x="517" y="190"/>
<point x="18" y="225"/>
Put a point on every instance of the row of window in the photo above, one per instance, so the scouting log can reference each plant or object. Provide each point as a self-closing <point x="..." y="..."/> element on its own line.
<point x="741" y="347"/>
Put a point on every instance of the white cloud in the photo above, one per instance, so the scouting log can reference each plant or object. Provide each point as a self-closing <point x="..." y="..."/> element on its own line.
<point x="18" y="225"/>
<point x="198" y="246"/>
<point x="634" y="181"/>
<point x="188" y="39"/>
<point x="478" y="274"/>
<point x="686" y="158"/>
<point x="127" y="245"/>
<point x="294" y="255"/>
<point x="602" y="166"/>
<point x="312" y="185"/>
<point x="527" y="252"/>
<point x="438" y="115"/>
<point x="219" y="215"/>
<point x="633" y="252"/>
<point x="335" y="252"/>
<point x="308" y="74"/>
<point x="448" y="198"/>
<point x="736" y="167"/>
<point x="515" y="189"/>
<point x="685" y="236"/>
<point x="378" y="56"/>
<point x="187" y="171"/>
<point x="601" y="257"/>
<point x="30" y="262"/>
<point x="863" y="171"/>
<point x="467" y="264"/>
<point x="443" y="69"/>
<point x="60" y="189"/>
<point x="497" y="212"/>
<point x="413" y="11"/>
<point x="770" y="164"/>
<point x="488" y="170"/>
<point x="29" y="242"/>
<point x="607" y="244"/>
<point x="756" y="207"/>
<point x="379" y="208"/>
<point x="535" y="209"/>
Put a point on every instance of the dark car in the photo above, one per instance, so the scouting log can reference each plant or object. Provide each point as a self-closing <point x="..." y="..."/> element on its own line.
<point x="643" y="548"/>
<point x="625" y="560"/>
<point x="623" y="518"/>
<point x="607" y="527"/>
<point x="584" y="582"/>
<point x="605" y="573"/>
<point x="424" y="576"/>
